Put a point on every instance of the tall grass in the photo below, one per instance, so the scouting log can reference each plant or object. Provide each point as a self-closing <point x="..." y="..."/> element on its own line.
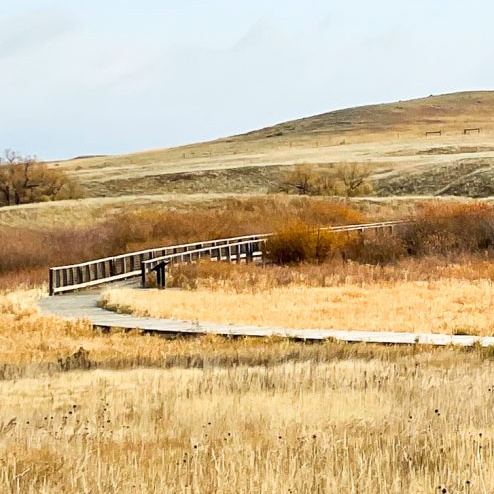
<point x="27" y="253"/>
<point x="32" y="345"/>
<point x="393" y="422"/>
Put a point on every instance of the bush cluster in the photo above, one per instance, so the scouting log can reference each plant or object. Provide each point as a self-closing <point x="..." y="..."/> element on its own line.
<point x="446" y="230"/>
<point x="451" y="229"/>
<point x="26" y="254"/>
<point x="299" y="242"/>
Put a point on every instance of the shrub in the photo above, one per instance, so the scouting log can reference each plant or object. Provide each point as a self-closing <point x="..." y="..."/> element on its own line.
<point x="300" y="243"/>
<point x="343" y="179"/>
<point x="445" y="229"/>
<point x="27" y="181"/>
<point x="375" y="248"/>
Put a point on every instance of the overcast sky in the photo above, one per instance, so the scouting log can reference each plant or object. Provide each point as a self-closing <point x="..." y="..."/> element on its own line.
<point x="96" y="77"/>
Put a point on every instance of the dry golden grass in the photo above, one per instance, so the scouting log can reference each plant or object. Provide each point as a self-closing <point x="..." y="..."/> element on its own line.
<point x="210" y="415"/>
<point x="32" y="344"/>
<point x="397" y="423"/>
<point x="415" y="296"/>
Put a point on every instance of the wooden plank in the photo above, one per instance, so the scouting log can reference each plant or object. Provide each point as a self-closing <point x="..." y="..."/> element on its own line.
<point x="86" y="307"/>
<point x="100" y="281"/>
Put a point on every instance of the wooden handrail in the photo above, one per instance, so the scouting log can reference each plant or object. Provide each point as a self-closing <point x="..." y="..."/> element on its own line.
<point x="264" y="237"/>
<point x="90" y="273"/>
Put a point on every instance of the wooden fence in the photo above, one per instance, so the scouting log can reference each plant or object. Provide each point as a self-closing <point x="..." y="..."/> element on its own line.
<point x="110" y="269"/>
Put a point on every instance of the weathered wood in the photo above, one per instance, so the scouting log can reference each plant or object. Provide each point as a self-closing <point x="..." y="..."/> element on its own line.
<point x="86" y="307"/>
<point x="433" y="133"/>
<point x="91" y="273"/>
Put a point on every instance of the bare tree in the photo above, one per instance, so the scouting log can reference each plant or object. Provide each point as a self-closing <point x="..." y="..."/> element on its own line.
<point x="302" y="179"/>
<point x="345" y="179"/>
<point x="355" y="179"/>
<point x="24" y="180"/>
<point x="11" y="157"/>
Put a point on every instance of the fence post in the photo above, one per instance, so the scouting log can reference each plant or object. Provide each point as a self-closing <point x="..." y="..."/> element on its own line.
<point x="160" y="270"/>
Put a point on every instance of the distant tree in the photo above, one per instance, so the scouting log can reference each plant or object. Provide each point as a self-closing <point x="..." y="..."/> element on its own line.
<point x="24" y="180"/>
<point x="345" y="179"/>
<point x="354" y="179"/>
<point x="302" y="179"/>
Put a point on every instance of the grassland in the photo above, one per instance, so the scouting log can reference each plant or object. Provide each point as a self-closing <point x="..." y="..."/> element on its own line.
<point x="85" y="411"/>
<point x="328" y="419"/>
<point x="388" y="139"/>
<point x="412" y="296"/>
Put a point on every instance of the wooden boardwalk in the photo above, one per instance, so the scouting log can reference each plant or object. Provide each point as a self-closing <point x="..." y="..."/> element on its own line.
<point x="126" y="267"/>
<point x="250" y="248"/>
<point x="85" y="307"/>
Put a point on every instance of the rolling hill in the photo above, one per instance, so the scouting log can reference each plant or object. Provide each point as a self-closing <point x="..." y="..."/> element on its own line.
<point x="390" y="139"/>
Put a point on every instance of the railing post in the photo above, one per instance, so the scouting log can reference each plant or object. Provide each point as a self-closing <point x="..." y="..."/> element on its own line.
<point x="112" y="267"/>
<point x="143" y="275"/>
<point x="52" y="282"/>
<point x="249" y="253"/>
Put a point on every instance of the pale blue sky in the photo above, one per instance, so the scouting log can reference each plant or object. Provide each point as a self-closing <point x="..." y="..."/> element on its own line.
<point x="97" y="77"/>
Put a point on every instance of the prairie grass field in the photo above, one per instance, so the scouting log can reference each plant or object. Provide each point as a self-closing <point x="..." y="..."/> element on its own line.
<point x="135" y="413"/>
<point x="290" y="418"/>
<point x="89" y="411"/>
<point x="414" y="296"/>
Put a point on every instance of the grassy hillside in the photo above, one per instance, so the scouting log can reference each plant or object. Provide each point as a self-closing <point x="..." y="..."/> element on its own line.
<point x="389" y="139"/>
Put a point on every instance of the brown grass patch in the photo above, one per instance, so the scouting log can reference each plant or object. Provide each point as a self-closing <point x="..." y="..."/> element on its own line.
<point x="401" y="423"/>
<point x="428" y="295"/>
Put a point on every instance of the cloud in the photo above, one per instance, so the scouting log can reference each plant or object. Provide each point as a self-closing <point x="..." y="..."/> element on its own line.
<point x="33" y="29"/>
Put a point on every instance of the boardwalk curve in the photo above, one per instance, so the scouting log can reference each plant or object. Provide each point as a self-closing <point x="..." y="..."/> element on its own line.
<point x="64" y="279"/>
<point x="126" y="267"/>
<point x="86" y="307"/>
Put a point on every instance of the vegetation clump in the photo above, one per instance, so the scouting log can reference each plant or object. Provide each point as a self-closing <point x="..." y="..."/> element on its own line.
<point x="344" y="180"/>
<point x="298" y="243"/>
<point x="451" y="229"/>
<point x="443" y="230"/>
<point x="25" y="180"/>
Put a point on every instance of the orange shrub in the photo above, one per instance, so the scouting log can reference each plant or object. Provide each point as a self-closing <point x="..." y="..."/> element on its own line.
<point x="298" y="243"/>
<point x="374" y="248"/>
<point x="445" y="229"/>
<point x="26" y="254"/>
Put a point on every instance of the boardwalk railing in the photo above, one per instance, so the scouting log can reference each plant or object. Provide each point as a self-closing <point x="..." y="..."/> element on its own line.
<point x="121" y="267"/>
